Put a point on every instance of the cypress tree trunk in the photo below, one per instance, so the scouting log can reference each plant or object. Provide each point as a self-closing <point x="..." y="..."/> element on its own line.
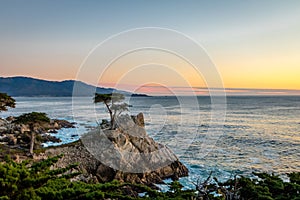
<point x="32" y="142"/>
<point x="111" y="116"/>
<point x="113" y="120"/>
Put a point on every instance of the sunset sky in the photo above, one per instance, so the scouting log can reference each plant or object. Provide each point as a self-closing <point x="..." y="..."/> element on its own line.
<point x="253" y="44"/>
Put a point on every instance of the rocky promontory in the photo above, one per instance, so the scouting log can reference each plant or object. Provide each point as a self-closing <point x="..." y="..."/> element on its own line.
<point x="126" y="154"/>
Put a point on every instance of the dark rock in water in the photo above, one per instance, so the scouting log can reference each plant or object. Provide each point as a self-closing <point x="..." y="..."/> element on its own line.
<point x="49" y="138"/>
<point x="64" y="123"/>
<point x="74" y="135"/>
<point x="52" y="131"/>
<point x="127" y="154"/>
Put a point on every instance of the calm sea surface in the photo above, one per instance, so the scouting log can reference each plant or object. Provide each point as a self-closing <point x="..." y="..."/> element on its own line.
<point x="259" y="133"/>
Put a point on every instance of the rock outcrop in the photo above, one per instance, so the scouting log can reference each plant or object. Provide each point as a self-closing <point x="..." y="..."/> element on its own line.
<point x="139" y="120"/>
<point x="16" y="134"/>
<point x="127" y="154"/>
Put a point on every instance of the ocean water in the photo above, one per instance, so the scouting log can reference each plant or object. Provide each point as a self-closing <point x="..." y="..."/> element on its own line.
<point x="259" y="133"/>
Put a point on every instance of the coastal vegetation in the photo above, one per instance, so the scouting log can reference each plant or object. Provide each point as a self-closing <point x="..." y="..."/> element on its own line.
<point x="6" y="101"/>
<point x="28" y="130"/>
<point x="32" y="120"/>
<point x="27" y="180"/>
<point x="38" y="180"/>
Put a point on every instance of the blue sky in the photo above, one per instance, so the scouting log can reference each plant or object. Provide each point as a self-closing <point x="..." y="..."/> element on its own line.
<point x="84" y="20"/>
<point x="249" y="41"/>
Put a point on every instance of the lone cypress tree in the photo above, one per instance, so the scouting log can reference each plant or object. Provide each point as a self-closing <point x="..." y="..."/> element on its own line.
<point x="111" y="101"/>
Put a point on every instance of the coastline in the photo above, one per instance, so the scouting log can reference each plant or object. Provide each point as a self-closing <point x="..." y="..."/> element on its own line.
<point x="44" y="153"/>
<point x="246" y="119"/>
<point x="78" y="152"/>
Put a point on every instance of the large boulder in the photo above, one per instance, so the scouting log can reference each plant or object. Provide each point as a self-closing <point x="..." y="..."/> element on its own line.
<point x="127" y="154"/>
<point x="60" y="123"/>
<point x="139" y="119"/>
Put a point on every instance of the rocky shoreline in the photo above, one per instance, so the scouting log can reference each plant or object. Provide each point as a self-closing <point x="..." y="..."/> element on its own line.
<point x="129" y="137"/>
<point x="18" y="135"/>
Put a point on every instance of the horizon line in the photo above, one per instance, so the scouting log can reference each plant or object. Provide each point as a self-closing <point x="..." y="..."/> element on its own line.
<point x="230" y="90"/>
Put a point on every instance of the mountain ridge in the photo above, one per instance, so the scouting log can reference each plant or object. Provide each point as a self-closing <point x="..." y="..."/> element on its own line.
<point x="28" y="86"/>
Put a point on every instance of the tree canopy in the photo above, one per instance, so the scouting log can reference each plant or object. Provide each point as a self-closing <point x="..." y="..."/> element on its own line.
<point x="6" y="101"/>
<point x="31" y="118"/>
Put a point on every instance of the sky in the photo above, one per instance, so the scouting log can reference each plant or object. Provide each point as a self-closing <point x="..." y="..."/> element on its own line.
<point x="252" y="44"/>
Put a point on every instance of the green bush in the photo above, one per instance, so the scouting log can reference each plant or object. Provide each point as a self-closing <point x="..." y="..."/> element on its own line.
<point x="37" y="181"/>
<point x="33" y="117"/>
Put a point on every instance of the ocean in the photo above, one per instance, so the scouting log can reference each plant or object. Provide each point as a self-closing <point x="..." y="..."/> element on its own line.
<point x="259" y="133"/>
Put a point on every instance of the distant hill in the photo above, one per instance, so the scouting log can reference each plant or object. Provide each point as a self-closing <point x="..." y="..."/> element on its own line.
<point x="25" y="86"/>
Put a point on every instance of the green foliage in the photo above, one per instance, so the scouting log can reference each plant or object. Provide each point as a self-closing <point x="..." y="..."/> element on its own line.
<point x="33" y="117"/>
<point x="19" y="181"/>
<point x="37" y="181"/>
<point x="294" y="177"/>
<point x="176" y="192"/>
<point x="264" y="187"/>
<point x="6" y="101"/>
<point x="111" y="98"/>
<point x="102" y="98"/>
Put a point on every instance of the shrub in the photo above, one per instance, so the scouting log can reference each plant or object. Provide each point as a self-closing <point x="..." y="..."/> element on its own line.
<point x="33" y="117"/>
<point x="6" y="101"/>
